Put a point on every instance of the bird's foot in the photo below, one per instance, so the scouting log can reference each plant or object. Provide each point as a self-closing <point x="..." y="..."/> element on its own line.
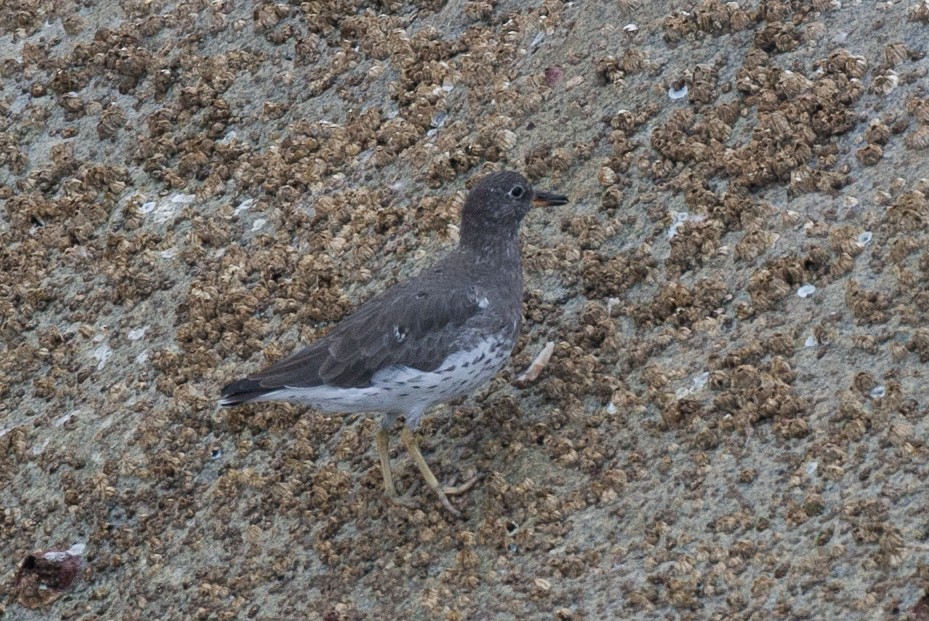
<point x="444" y="491"/>
<point x="454" y="490"/>
<point x="407" y="499"/>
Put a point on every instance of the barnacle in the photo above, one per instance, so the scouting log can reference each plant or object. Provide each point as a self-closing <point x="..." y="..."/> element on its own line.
<point x="870" y="154"/>
<point x="919" y="108"/>
<point x="610" y="70"/>
<point x="778" y="36"/>
<point x="626" y="6"/>
<point x="868" y="306"/>
<point x="919" y="344"/>
<point x="791" y="84"/>
<point x="633" y="61"/>
<point x="909" y="211"/>
<point x="606" y="176"/>
<point x="843" y="62"/>
<point x="919" y="12"/>
<point x="895" y="53"/>
<point x="918" y="139"/>
<point x="877" y="133"/>
<point x="886" y="82"/>
<point x="754" y="243"/>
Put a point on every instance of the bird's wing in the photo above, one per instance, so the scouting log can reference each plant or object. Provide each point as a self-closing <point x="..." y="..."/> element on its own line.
<point x="409" y="325"/>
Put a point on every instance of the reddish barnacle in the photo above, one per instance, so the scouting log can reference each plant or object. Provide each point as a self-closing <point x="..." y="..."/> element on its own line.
<point x="553" y="75"/>
<point x="46" y="575"/>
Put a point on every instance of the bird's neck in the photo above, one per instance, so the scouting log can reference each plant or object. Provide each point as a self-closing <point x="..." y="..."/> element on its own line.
<point x="493" y="249"/>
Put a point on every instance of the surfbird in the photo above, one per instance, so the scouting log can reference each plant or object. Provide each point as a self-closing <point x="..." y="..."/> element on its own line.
<point x="439" y="335"/>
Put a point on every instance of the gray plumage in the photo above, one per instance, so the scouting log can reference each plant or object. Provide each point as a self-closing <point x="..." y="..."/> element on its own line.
<point x="397" y="352"/>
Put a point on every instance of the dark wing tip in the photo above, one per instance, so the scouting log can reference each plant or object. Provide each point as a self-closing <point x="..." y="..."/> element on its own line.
<point x="242" y="391"/>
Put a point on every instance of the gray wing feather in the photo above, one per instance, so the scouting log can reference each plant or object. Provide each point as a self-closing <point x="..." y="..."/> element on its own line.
<point x="405" y="326"/>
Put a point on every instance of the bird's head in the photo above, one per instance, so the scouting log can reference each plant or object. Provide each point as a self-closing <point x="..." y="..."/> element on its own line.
<point x="497" y="204"/>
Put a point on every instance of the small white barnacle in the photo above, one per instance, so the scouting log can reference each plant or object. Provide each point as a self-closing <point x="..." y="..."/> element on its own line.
<point x="806" y="291"/>
<point x="400" y="333"/>
<point x="677" y="91"/>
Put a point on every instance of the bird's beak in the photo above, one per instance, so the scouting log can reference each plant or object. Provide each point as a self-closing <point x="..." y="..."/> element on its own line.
<point x="548" y="199"/>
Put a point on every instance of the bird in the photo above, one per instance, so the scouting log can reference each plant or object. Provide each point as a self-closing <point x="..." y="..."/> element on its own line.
<point x="436" y="337"/>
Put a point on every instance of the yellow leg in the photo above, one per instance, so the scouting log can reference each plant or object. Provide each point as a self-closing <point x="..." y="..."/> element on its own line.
<point x="409" y="441"/>
<point x="390" y="490"/>
<point x="384" y="455"/>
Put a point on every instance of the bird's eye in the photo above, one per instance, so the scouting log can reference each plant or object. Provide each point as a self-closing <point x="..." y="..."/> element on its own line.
<point x="517" y="191"/>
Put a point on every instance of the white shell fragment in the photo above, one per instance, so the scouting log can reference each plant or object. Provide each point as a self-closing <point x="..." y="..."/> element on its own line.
<point x="137" y="334"/>
<point x="806" y="291"/>
<point x="59" y="555"/>
<point x="878" y="392"/>
<point x="811" y="341"/>
<point x="697" y="384"/>
<point x="700" y="381"/>
<point x="677" y="93"/>
<point x="680" y="217"/>
<point x="535" y="369"/>
<point x="39" y="448"/>
<point x="102" y="354"/>
<point x="244" y="205"/>
<point x="183" y="199"/>
<point x="166" y="211"/>
<point x="61" y="420"/>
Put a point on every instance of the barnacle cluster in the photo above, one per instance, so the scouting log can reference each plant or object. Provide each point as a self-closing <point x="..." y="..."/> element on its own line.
<point x="710" y="17"/>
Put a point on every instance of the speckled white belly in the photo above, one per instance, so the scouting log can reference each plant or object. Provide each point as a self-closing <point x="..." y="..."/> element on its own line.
<point x="406" y="390"/>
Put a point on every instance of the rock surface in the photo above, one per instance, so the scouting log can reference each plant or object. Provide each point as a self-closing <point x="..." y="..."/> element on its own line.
<point x="732" y="423"/>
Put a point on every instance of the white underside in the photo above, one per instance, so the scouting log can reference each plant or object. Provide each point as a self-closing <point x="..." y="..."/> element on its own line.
<point x="406" y="390"/>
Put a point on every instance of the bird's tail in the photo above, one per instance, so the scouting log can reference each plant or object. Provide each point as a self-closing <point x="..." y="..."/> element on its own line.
<point x="242" y="391"/>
